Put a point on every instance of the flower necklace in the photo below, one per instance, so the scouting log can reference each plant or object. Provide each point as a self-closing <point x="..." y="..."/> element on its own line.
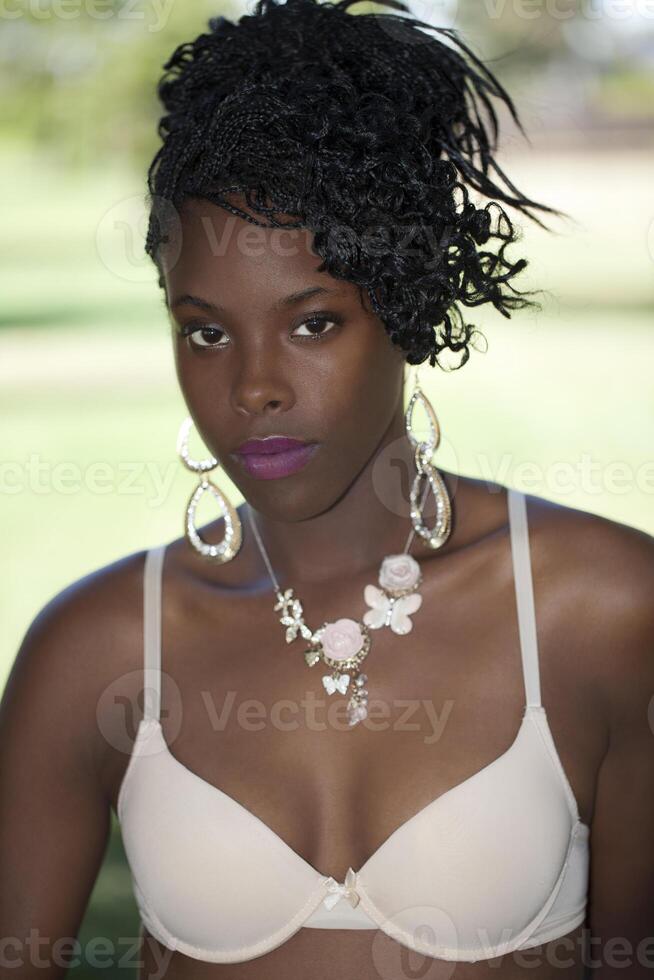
<point x="344" y="644"/>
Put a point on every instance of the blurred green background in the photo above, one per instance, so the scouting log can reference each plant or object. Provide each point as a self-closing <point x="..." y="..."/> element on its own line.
<point x="561" y="404"/>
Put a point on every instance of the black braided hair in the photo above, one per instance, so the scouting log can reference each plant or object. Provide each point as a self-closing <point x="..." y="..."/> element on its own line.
<point x="365" y="130"/>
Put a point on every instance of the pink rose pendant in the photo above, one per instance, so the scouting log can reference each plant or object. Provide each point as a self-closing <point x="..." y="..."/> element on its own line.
<point x="397" y="599"/>
<point x="343" y="645"/>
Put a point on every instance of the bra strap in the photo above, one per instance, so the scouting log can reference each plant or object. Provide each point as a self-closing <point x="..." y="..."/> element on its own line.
<point x="152" y="631"/>
<point x="524" y="593"/>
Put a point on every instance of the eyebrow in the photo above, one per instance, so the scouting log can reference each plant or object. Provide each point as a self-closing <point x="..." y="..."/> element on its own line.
<point x="291" y="300"/>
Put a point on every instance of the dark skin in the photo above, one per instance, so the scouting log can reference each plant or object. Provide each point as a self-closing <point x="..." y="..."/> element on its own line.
<point x="333" y="794"/>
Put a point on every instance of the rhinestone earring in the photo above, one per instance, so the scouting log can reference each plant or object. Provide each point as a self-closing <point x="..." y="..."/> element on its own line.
<point x="438" y="535"/>
<point x="229" y="546"/>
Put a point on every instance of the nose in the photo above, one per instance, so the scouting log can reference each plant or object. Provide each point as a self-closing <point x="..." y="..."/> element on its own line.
<point x="261" y="387"/>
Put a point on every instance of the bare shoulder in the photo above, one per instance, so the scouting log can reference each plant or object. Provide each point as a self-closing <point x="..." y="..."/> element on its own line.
<point x="85" y="620"/>
<point x="607" y="565"/>
<point x="73" y="655"/>
<point x="595" y="577"/>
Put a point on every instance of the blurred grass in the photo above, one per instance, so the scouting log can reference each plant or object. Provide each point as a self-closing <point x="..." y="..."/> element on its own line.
<point x="87" y="377"/>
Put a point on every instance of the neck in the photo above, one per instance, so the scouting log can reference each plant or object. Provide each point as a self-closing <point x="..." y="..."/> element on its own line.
<point x="369" y="521"/>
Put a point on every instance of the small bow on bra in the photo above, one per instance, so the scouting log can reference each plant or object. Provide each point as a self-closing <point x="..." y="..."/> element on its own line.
<point x="336" y="890"/>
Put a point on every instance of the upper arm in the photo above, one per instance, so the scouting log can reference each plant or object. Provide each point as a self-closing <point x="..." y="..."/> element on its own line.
<point x="621" y="902"/>
<point x="55" y="815"/>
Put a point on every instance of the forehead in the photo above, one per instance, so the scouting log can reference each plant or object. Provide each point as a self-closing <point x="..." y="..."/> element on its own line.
<point x="210" y="243"/>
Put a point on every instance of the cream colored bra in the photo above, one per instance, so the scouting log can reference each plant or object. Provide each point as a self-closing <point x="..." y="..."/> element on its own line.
<point x="495" y="864"/>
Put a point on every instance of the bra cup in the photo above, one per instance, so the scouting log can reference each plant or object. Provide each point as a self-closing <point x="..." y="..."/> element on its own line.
<point x="200" y="868"/>
<point x="476" y="868"/>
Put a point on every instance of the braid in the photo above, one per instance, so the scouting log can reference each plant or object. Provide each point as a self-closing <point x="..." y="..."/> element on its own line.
<point x="365" y="130"/>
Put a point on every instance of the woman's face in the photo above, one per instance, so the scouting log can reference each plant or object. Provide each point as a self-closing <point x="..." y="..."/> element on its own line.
<point x="253" y="359"/>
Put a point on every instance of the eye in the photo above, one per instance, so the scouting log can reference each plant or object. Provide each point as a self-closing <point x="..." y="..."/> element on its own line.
<point x="319" y="321"/>
<point x="203" y="335"/>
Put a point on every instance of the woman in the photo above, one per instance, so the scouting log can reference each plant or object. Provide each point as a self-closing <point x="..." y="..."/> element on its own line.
<point x="448" y="771"/>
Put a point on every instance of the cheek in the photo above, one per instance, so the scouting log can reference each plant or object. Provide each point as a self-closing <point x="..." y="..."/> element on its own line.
<point x="365" y="397"/>
<point x="198" y="376"/>
<point x="178" y="357"/>
<point x="185" y="374"/>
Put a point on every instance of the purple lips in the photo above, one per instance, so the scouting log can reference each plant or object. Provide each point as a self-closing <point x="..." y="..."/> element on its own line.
<point x="275" y="457"/>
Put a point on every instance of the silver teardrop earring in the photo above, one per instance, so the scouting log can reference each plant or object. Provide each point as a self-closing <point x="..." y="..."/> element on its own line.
<point x="424" y="450"/>
<point x="229" y="546"/>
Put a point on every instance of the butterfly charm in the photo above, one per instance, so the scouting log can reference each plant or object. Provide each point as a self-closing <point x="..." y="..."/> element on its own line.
<point x="293" y="616"/>
<point x="339" y="683"/>
<point x="388" y="611"/>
